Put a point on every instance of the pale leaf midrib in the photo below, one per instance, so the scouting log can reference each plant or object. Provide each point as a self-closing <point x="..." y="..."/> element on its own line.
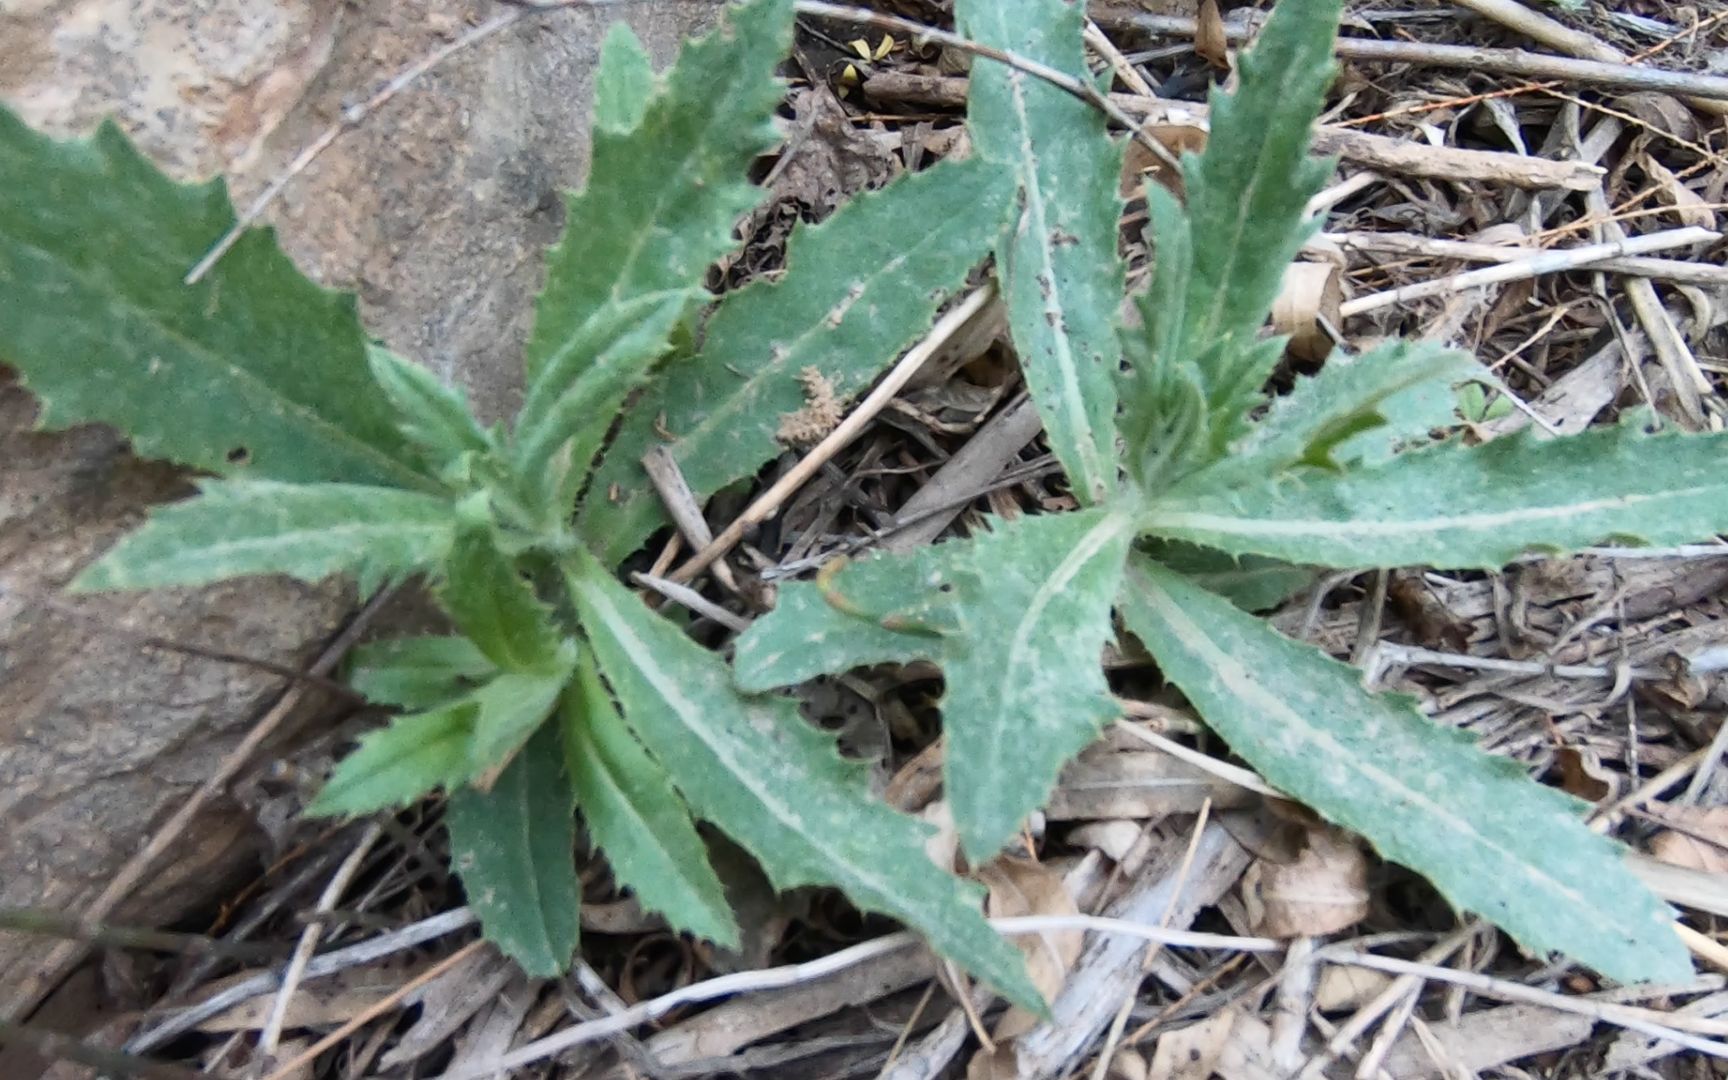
<point x="690" y="714"/>
<point x="206" y="358"/>
<point x="998" y="749"/>
<point x="1221" y="663"/>
<point x="1232" y="525"/>
<point x="1062" y="351"/>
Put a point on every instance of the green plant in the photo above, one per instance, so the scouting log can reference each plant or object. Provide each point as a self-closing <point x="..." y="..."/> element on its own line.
<point x="1224" y="486"/>
<point x="562" y="691"/>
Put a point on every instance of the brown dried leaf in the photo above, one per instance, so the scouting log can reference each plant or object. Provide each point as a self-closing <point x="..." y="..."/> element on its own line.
<point x="1019" y="887"/>
<point x="1193" y="1052"/>
<point x="1341" y="987"/>
<point x="1696" y="837"/>
<point x="1582" y="774"/>
<point x="1138" y="784"/>
<point x="1688" y="206"/>
<point x="1140" y="165"/>
<point x="1322" y="891"/>
<point x="1210" y="42"/>
<point x="1312" y="291"/>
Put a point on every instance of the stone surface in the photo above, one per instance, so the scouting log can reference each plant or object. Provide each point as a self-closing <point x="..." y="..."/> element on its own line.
<point x="435" y="211"/>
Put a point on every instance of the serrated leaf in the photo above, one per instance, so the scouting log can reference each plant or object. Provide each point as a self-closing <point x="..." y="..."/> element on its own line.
<point x="1457" y="506"/>
<point x="624" y="81"/>
<point x="1250" y="582"/>
<point x="636" y="817"/>
<point x="433" y="416"/>
<point x="1320" y="414"/>
<point x="1489" y="838"/>
<point x="858" y="288"/>
<point x="397" y="764"/>
<point x="1057" y="259"/>
<point x="417" y="672"/>
<point x="308" y="531"/>
<point x="509" y="709"/>
<point x="1247" y="196"/>
<point x="495" y="606"/>
<point x="1166" y="418"/>
<point x="777" y="786"/>
<point x="252" y="370"/>
<point x="659" y="206"/>
<point x="514" y="848"/>
<point x="1017" y="617"/>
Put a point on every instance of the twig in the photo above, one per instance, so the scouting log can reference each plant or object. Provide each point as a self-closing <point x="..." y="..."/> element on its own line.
<point x="129" y="876"/>
<point x="695" y="601"/>
<point x="1677" y="270"/>
<point x="799" y="974"/>
<point x="770" y="501"/>
<point x="377" y="1008"/>
<point x="1390" y="652"/>
<point x="1379" y="152"/>
<point x="57" y="1046"/>
<point x="1557" y="35"/>
<point x="333" y="890"/>
<point x="329" y="963"/>
<point x="1545" y="262"/>
<point x="1620" y="74"/>
<point x="1234" y="774"/>
<point x="1666" y="1025"/>
<point x="55" y="924"/>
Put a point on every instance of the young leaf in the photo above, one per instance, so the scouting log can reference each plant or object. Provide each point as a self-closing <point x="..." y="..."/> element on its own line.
<point x="417" y="672"/>
<point x="1057" y="258"/>
<point x="777" y="786"/>
<point x="433" y="416"/>
<point x="625" y="81"/>
<point x="514" y="847"/>
<point x="1308" y="425"/>
<point x="859" y="287"/>
<point x="1248" y="581"/>
<point x="659" y="206"/>
<point x="397" y="764"/>
<point x="1247" y="195"/>
<point x="1166" y="419"/>
<point x="1491" y="840"/>
<point x="495" y="606"/>
<point x="253" y="370"/>
<point x="1470" y="506"/>
<point x="636" y="817"/>
<point x="1019" y="638"/>
<point x="509" y="709"/>
<point x="309" y="531"/>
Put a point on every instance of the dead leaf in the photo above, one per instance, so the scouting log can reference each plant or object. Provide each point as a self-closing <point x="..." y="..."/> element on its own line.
<point x="1435" y="624"/>
<point x="1210" y="42"/>
<point x="1138" y="784"/>
<point x="1688" y="206"/>
<point x="1696" y="837"/>
<point x="1022" y="887"/>
<point x="1322" y="891"/>
<point x="1193" y="1052"/>
<point x="1308" y="301"/>
<point x="1140" y="165"/>
<point x="1582" y="774"/>
<point x="1664" y="112"/>
<point x="1343" y="988"/>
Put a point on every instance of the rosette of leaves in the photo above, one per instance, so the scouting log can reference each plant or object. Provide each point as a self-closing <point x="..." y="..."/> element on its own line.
<point x="1217" y="492"/>
<point x="560" y="692"/>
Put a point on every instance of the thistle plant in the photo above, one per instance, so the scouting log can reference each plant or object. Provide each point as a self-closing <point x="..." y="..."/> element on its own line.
<point x="560" y="693"/>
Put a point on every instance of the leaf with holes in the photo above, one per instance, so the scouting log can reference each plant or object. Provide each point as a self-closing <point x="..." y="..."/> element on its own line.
<point x="858" y="289"/>
<point x="1057" y="260"/>
<point x="1496" y="844"/>
<point x="254" y="370"/>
